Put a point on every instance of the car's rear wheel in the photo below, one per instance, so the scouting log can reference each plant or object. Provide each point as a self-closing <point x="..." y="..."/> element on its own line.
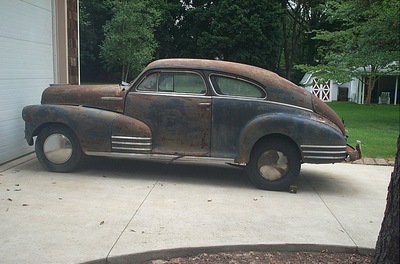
<point x="58" y="148"/>
<point x="274" y="164"/>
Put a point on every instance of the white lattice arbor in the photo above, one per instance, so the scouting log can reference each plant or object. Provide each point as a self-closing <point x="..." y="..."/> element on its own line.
<point x="322" y="90"/>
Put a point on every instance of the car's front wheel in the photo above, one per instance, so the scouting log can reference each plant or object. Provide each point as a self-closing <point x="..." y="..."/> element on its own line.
<point x="274" y="164"/>
<point x="58" y="148"/>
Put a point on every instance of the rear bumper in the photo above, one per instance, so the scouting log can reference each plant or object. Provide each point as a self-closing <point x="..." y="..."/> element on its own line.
<point x="353" y="153"/>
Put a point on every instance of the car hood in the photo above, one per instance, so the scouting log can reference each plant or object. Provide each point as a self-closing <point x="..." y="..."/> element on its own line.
<point x="110" y="97"/>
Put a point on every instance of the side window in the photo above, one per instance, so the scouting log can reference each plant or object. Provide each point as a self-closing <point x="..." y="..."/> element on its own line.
<point x="149" y="83"/>
<point x="224" y="85"/>
<point x="181" y="82"/>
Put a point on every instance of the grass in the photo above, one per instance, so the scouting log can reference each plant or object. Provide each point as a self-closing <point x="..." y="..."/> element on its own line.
<point x="377" y="126"/>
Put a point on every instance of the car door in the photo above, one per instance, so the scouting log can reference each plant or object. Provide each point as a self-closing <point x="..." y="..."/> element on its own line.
<point x="237" y="102"/>
<point x="175" y="107"/>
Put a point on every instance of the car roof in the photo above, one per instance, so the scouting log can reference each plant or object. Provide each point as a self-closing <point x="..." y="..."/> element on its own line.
<point x="279" y="89"/>
<point x="212" y="65"/>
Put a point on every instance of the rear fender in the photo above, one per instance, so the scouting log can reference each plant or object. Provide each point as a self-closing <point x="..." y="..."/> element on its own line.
<point x="300" y="130"/>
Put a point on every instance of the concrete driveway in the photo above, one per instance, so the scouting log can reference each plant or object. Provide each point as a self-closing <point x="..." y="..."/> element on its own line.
<point x="125" y="210"/>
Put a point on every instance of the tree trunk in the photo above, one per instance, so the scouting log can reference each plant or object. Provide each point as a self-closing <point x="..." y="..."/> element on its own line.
<point x="387" y="247"/>
<point x="123" y="72"/>
<point x="370" y="87"/>
<point x="371" y="83"/>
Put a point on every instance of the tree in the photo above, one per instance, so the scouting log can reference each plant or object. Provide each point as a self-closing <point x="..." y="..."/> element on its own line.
<point x="300" y="19"/>
<point x="243" y="31"/>
<point x="364" y="44"/>
<point x="93" y="15"/>
<point x="129" y="42"/>
<point x="167" y="33"/>
<point x="387" y="246"/>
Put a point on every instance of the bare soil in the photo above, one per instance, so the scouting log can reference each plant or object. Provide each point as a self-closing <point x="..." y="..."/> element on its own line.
<point x="254" y="257"/>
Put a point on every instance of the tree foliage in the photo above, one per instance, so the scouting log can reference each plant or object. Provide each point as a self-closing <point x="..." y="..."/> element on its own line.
<point x="129" y="42"/>
<point x="301" y="18"/>
<point x="247" y="31"/>
<point x="337" y="39"/>
<point x="93" y="14"/>
<point x="363" y="42"/>
<point x="243" y="31"/>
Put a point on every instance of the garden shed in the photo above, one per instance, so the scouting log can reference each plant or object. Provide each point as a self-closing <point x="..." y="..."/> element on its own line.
<point x="386" y="89"/>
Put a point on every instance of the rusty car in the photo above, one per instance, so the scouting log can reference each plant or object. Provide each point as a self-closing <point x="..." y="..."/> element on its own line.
<point x="194" y="109"/>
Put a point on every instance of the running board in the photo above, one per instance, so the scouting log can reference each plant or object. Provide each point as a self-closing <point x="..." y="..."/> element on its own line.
<point x="163" y="157"/>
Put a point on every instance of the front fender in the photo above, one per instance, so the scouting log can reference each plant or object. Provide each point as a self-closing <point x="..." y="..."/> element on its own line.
<point x="93" y="127"/>
<point x="302" y="130"/>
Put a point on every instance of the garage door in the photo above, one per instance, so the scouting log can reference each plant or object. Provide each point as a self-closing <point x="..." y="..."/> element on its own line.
<point x="26" y="67"/>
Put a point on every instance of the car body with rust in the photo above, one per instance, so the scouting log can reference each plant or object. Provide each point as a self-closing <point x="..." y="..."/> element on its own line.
<point x="191" y="108"/>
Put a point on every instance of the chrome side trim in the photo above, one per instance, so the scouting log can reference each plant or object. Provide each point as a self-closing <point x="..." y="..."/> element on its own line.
<point x="322" y="146"/>
<point x="323" y="158"/>
<point x="131" y="149"/>
<point x="133" y="138"/>
<point x="172" y="94"/>
<point x="159" y="157"/>
<point x="134" y="145"/>
<point x="291" y="106"/>
<point x="131" y="143"/>
<point x="263" y="100"/>
<point x="110" y="98"/>
<point x="323" y="153"/>
<point x="131" y="155"/>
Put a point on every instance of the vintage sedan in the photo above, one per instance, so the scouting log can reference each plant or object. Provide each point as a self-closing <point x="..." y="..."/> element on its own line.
<point x="191" y="108"/>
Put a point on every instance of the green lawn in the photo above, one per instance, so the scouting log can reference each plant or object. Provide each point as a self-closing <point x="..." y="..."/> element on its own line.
<point x="377" y="126"/>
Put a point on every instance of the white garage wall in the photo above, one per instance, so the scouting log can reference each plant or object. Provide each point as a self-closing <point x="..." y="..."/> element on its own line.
<point x="26" y="67"/>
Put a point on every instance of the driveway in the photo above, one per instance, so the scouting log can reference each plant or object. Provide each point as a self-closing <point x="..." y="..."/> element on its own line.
<point x="124" y="210"/>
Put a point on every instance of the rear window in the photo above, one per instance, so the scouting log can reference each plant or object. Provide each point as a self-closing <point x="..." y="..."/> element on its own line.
<point x="224" y="85"/>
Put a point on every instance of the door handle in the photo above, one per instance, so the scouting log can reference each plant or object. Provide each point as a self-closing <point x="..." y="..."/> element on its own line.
<point x="205" y="104"/>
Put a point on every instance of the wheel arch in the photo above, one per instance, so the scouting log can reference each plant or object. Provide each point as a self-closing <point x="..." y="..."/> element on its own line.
<point x="277" y="136"/>
<point x="42" y="126"/>
<point x="269" y="127"/>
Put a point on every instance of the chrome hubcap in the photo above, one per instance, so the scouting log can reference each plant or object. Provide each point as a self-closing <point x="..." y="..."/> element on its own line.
<point x="273" y="165"/>
<point x="57" y="148"/>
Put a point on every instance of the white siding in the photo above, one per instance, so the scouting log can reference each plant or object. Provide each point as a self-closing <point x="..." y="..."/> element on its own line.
<point x="26" y="67"/>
